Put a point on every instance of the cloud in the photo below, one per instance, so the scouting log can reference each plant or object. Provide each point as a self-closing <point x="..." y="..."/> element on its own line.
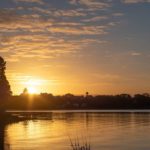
<point x="58" y="12"/>
<point x="42" y="46"/>
<point x="50" y="32"/>
<point x="82" y="30"/>
<point x="29" y="36"/>
<point x="95" y="19"/>
<point x="136" y="54"/>
<point x="135" y="1"/>
<point x="69" y="13"/>
<point x="25" y="80"/>
<point x="118" y="14"/>
<point x="30" y="1"/>
<point x="91" y="4"/>
<point x="11" y="20"/>
<point x="73" y="2"/>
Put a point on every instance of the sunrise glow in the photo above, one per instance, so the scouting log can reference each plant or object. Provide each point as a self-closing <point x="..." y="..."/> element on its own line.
<point x="71" y="68"/>
<point x="33" y="85"/>
<point x="100" y="46"/>
<point x="32" y="90"/>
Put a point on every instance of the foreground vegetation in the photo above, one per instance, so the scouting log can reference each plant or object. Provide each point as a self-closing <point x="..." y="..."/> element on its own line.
<point x="75" y="145"/>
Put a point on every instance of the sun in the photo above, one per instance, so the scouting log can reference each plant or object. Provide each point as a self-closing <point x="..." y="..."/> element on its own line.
<point x="32" y="90"/>
<point x="33" y="85"/>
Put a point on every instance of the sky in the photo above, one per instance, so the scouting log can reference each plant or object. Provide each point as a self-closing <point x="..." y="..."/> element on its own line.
<point x="74" y="46"/>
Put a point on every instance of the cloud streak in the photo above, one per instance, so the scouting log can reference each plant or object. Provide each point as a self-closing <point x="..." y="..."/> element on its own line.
<point x="30" y="1"/>
<point x="90" y="4"/>
<point x="135" y="1"/>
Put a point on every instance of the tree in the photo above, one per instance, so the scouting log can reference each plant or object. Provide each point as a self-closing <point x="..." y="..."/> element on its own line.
<point x="5" y="90"/>
<point x="87" y="94"/>
<point x="25" y="92"/>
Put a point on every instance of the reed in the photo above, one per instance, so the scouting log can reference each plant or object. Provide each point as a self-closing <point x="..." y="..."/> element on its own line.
<point x="76" y="145"/>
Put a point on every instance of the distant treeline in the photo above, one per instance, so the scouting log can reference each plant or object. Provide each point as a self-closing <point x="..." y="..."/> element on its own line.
<point x="69" y="101"/>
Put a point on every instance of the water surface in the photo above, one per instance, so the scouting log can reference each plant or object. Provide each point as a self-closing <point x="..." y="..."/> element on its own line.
<point x="104" y="131"/>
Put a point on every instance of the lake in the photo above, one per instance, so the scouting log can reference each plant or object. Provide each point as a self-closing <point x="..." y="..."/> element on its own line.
<point x="104" y="131"/>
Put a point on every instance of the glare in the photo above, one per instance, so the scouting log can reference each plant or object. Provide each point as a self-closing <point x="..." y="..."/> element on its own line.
<point x="33" y="85"/>
<point x="33" y="82"/>
<point x="32" y="90"/>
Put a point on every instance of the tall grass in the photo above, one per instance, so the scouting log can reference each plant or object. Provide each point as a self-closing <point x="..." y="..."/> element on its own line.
<point x="76" y="145"/>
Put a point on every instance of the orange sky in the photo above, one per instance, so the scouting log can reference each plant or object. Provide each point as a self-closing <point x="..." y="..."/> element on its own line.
<point x="74" y="46"/>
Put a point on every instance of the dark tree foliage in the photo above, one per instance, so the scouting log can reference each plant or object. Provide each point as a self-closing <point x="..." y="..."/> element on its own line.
<point x="69" y="101"/>
<point x="5" y="90"/>
<point x="25" y="92"/>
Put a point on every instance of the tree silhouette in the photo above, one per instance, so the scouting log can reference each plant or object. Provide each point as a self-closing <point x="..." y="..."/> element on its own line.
<point x="25" y="91"/>
<point x="2" y="137"/>
<point x="5" y="90"/>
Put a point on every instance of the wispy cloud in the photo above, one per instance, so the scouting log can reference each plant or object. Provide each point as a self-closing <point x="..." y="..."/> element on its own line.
<point x="92" y="5"/>
<point x="136" y="54"/>
<point x="82" y="30"/>
<point x="42" y="47"/>
<point x="96" y="18"/>
<point x="30" y="1"/>
<point x="135" y="1"/>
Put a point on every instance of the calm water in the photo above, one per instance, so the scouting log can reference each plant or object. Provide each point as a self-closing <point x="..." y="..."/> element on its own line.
<point x="104" y="131"/>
